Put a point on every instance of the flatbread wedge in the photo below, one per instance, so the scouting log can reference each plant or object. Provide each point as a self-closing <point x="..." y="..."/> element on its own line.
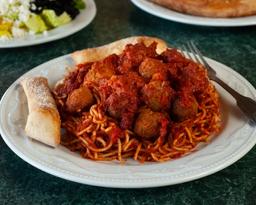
<point x="116" y="47"/>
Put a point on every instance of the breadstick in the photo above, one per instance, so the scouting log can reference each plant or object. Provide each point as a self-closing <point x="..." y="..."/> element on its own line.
<point x="43" y="122"/>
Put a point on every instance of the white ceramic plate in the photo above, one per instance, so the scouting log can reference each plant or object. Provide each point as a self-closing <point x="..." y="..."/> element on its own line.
<point x="80" y="22"/>
<point x="168" y="14"/>
<point x="235" y="140"/>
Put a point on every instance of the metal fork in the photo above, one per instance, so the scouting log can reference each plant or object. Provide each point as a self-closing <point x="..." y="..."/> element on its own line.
<point x="246" y="104"/>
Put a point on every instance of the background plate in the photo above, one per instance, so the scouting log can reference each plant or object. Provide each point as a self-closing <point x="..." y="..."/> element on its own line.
<point x="234" y="141"/>
<point x="80" y="22"/>
<point x="189" y="19"/>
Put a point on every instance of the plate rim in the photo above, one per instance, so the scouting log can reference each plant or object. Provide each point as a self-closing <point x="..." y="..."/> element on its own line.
<point x="190" y="19"/>
<point x="46" y="39"/>
<point x="122" y="184"/>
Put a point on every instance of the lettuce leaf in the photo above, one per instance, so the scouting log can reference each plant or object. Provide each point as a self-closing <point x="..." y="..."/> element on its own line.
<point x="79" y="4"/>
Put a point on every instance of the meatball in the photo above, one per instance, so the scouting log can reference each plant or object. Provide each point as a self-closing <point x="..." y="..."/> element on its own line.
<point x="121" y="99"/>
<point x="102" y="69"/>
<point x="185" y="106"/>
<point x="133" y="55"/>
<point x="148" y="123"/>
<point x="72" y="81"/>
<point x="151" y="66"/>
<point x="79" y="99"/>
<point x="117" y="104"/>
<point x="193" y="77"/>
<point x="174" y="60"/>
<point x="123" y="83"/>
<point x="158" y="95"/>
<point x="172" y="56"/>
<point x="122" y="106"/>
<point x="135" y="79"/>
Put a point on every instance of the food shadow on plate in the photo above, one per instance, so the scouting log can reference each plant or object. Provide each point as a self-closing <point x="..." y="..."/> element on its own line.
<point x="17" y="117"/>
<point x="228" y="108"/>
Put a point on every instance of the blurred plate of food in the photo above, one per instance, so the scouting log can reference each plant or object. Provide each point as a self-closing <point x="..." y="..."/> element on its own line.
<point x="190" y="15"/>
<point x="31" y="22"/>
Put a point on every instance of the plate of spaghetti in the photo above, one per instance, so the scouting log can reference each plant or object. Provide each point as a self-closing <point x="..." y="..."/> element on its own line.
<point x="134" y="113"/>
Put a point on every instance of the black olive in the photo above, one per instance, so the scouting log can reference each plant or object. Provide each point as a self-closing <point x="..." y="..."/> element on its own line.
<point x="59" y="6"/>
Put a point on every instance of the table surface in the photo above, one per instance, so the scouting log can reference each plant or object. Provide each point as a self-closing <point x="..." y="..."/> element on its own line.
<point x="20" y="183"/>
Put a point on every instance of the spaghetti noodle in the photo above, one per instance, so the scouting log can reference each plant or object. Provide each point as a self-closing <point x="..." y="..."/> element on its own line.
<point x="98" y="132"/>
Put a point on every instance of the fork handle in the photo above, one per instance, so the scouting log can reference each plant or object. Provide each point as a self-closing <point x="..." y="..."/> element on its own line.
<point x="234" y="93"/>
<point x="246" y="104"/>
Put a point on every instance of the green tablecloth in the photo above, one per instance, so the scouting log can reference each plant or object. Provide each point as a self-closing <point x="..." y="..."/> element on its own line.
<point x="20" y="183"/>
